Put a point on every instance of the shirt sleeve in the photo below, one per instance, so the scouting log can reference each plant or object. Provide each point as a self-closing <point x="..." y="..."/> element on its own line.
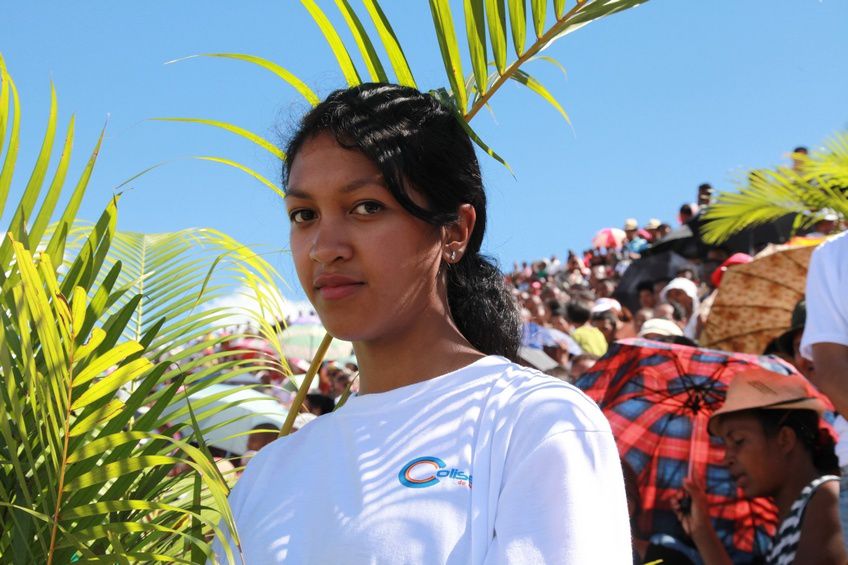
<point x="564" y="503"/>
<point x="826" y="299"/>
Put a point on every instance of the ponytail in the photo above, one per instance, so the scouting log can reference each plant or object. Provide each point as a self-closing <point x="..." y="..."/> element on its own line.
<point x="806" y="424"/>
<point x="824" y="453"/>
<point x="483" y="307"/>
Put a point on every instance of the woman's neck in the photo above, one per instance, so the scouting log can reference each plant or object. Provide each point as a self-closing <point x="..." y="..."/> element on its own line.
<point x="430" y="347"/>
<point x="799" y="474"/>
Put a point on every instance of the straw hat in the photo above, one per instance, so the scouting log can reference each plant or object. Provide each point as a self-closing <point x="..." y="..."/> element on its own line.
<point x="759" y="388"/>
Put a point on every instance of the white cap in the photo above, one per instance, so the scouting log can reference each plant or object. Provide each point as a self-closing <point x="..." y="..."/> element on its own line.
<point x="604" y="304"/>
<point x="680" y="283"/>
<point x="660" y="326"/>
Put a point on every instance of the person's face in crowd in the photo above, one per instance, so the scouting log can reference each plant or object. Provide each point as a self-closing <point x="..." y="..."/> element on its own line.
<point x="663" y="230"/>
<point x="642" y="316"/>
<point x="753" y="458"/>
<point x="679" y="297"/>
<point x="664" y="311"/>
<point x="705" y="195"/>
<point x="799" y="159"/>
<point x="560" y="323"/>
<point x="825" y="226"/>
<point x="647" y="298"/>
<point x="258" y="439"/>
<point x="631" y="234"/>
<point x="581" y="366"/>
<point x="369" y="267"/>
<point x="607" y="327"/>
<point x="339" y="380"/>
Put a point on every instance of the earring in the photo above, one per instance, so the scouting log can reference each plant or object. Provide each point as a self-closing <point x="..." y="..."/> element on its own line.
<point x="453" y="255"/>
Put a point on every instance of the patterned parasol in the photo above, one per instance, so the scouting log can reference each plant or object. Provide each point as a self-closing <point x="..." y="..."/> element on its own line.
<point x="755" y="300"/>
<point x="658" y="398"/>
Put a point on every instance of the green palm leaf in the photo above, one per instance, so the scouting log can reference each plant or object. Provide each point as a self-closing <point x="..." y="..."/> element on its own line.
<point x="819" y="183"/>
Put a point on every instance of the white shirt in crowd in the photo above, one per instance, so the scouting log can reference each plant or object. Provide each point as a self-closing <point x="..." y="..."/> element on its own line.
<point x="827" y="310"/>
<point x="493" y="463"/>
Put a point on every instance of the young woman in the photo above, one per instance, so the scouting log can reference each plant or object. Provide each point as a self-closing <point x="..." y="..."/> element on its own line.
<point x="450" y="453"/>
<point x="775" y="447"/>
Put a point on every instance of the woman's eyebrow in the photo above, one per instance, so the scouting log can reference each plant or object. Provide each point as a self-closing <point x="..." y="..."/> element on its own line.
<point x="352" y="186"/>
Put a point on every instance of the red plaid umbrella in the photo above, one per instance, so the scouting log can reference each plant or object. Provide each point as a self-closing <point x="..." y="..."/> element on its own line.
<point x="658" y="398"/>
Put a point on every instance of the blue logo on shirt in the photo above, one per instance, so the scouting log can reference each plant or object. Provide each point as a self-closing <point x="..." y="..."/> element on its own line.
<point x="425" y="472"/>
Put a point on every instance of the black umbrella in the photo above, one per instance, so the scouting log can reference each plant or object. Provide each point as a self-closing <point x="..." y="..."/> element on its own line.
<point x="653" y="267"/>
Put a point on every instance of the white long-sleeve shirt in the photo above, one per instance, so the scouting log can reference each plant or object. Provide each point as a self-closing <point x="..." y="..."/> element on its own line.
<point x="493" y="463"/>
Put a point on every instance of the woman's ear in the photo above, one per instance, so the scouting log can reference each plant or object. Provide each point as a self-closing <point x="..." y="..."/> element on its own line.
<point x="786" y="439"/>
<point x="455" y="235"/>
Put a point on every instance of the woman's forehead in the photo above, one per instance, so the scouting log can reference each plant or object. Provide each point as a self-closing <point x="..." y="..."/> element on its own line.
<point x="730" y="423"/>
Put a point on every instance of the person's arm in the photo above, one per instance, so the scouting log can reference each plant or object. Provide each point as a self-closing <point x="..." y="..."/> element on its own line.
<point x="696" y="522"/>
<point x="825" y="338"/>
<point x="563" y="503"/>
<point x="830" y="363"/>
<point x="821" y="533"/>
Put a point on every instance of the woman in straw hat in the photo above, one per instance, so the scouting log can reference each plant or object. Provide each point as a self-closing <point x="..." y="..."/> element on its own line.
<point x="775" y="447"/>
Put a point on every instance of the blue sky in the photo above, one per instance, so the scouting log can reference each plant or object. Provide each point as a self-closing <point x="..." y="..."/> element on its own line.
<point x="662" y="98"/>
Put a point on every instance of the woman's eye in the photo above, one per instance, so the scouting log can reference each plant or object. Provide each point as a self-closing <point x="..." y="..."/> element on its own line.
<point x="300" y="216"/>
<point x="367" y="208"/>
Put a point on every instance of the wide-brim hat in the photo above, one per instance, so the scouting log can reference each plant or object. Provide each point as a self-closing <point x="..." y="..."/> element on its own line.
<point x="762" y="389"/>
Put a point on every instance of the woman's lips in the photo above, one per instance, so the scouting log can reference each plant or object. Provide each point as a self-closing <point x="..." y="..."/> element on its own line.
<point x="332" y="286"/>
<point x="337" y="292"/>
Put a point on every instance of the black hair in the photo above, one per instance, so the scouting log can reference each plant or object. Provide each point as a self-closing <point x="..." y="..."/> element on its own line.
<point x="806" y="424"/>
<point x="320" y="402"/>
<point x="578" y="312"/>
<point x="419" y="144"/>
<point x="645" y="285"/>
<point x="606" y="315"/>
<point x="705" y="186"/>
<point x="556" y="307"/>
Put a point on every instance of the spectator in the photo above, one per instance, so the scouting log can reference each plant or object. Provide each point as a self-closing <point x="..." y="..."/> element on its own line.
<point x="653" y="228"/>
<point x="775" y="447"/>
<point x="799" y="158"/>
<point x="684" y="293"/>
<point x="607" y="323"/>
<point x="589" y="338"/>
<point x="825" y="225"/>
<point x="642" y="316"/>
<point x="687" y="212"/>
<point x="635" y="244"/>
<point x="647" y="298"/>
<point x="825" y="340"/>
<point x="658" y="328"/>
<point x="320" y="404"/>
<point x="705" y="195"/>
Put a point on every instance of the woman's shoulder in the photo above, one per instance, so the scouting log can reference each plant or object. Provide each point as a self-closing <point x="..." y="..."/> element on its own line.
<point x="527" y="395"/>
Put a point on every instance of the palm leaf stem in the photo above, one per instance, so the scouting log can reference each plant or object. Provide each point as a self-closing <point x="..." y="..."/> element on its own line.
<point x="537" y="46"/>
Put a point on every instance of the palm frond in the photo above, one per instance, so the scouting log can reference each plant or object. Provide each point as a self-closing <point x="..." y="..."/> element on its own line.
<point x="820" y="181"/>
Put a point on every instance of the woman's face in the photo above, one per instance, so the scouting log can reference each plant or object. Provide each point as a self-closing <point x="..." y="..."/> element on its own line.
<point x="751" y="456"/>
<point x="368" y="266"/>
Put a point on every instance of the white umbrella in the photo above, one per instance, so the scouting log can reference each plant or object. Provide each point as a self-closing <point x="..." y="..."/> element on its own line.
<point x="301" y="341"/>
<point x="225" y="412"/>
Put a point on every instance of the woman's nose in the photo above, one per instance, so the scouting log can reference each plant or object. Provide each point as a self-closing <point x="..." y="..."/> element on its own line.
<point x="330" y="243"/>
